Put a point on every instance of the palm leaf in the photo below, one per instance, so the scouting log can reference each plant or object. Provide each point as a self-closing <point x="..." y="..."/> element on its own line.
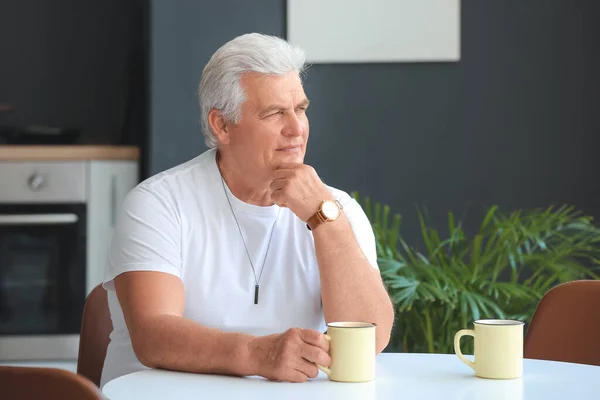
<point x="500" y="271"/>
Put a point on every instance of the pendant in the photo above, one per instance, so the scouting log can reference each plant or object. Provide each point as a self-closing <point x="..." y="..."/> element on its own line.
<point x="255" y="294"/>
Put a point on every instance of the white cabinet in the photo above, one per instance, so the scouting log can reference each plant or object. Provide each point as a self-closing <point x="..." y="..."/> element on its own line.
<point x="108" y="184"/>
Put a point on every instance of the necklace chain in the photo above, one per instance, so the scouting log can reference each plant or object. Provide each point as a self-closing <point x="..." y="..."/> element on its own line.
<point x="256" y="279"/>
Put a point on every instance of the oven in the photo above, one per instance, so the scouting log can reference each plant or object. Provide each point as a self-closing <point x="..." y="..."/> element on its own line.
<point x="43" y="228"/>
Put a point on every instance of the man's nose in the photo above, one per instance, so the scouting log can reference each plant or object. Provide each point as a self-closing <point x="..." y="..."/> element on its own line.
<point x="293" y="126"/>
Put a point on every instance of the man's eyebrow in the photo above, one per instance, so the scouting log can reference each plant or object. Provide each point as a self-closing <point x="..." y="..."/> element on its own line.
<point x="273" y="107"/>
<point x="303" y="103"/>
<point x="270" y="108"/>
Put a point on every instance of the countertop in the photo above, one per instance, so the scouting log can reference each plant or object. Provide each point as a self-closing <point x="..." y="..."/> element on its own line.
<point x="67" y="153"/>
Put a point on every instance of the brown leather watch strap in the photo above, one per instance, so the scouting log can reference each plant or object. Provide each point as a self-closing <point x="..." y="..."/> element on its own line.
<point x="317" y="219"/>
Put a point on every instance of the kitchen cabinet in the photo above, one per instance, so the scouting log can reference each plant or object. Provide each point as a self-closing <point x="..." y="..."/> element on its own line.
<point x="108" y="184"/>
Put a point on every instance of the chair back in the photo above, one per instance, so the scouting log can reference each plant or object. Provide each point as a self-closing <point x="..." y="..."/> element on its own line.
<point x="566" y="324"/>
<point x="24" y="383"/>
<point x="96" y="327"/>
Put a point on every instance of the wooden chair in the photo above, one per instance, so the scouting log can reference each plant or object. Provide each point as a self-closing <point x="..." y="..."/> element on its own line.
<point x="24" y="383"/>
<point x="566" y="324"/>
<point x="96" y="327"/>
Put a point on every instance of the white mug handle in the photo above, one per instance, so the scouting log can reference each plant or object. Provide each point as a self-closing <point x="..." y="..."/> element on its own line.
<point x="321" y="367"/>
<point x="459" y="334"/>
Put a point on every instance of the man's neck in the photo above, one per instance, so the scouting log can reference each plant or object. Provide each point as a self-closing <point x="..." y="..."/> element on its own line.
<point x="247" y="187"/>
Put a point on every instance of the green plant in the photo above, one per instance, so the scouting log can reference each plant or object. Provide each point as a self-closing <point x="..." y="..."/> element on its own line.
<point x="500" y="271"/>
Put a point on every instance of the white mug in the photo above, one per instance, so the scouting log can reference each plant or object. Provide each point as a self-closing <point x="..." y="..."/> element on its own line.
<point x="498" y="348"/>
<point x="352" y="349"/>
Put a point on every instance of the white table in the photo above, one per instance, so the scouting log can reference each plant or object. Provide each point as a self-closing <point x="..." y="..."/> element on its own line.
<point x="399" y="376"/>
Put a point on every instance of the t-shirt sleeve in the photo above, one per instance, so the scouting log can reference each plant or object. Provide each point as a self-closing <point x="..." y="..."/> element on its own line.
<point x="361" y="227"/>
<point x="146" y="237"/>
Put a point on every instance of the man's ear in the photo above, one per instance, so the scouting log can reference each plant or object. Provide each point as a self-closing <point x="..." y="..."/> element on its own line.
<point x="218" y="124"/>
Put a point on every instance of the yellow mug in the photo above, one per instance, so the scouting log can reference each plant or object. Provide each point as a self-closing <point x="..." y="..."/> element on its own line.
<point x="498" y="348"/>
<point x="352" y="350"/>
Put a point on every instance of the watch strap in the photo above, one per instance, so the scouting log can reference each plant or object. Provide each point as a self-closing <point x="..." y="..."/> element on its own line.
<point x="317" y="219"/>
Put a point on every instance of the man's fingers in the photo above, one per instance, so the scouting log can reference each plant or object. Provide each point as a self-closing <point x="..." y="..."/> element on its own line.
<point x="277" y="184"/>
<point x="278" y="199"/>
<point x="316" y="354"/>
<point x="308" y="369"/>
<point x="279" y="174"/>
<point x="315" y="338"/>
<point x="292" y="375"/>
<point x="284" y="170"/>
<point x="282" y="174"/>
<point x="295" y="375"/>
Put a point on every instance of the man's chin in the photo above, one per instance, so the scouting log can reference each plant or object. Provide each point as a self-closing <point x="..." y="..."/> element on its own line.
<point x="292" y="158"/>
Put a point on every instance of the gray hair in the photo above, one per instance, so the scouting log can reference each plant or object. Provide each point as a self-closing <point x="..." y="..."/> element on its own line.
<point x="220" y="86"/>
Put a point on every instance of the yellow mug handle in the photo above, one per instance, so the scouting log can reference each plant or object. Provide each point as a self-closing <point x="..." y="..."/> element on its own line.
<point x="459" y="334"/>
<point x="321" y="367"/>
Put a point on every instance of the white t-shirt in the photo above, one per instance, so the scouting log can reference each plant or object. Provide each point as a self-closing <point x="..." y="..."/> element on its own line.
<point x="179" y="222"/>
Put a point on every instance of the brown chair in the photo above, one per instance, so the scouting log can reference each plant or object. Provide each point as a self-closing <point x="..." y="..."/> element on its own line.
<point x="25" y="383"/>
<point x="566" y="324"/>
<point x="96" y="327"/>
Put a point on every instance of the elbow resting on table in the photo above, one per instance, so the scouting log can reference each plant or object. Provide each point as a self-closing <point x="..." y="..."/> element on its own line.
<point x="381" y="342"/>
<point x="146" y="355"/>
<point x="384" y="328"/>
<point x="148" y="359"/>
<point x="146" y="350"/>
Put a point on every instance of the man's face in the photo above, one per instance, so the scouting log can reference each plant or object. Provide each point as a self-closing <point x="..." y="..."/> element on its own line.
<point x="273" y="128"/>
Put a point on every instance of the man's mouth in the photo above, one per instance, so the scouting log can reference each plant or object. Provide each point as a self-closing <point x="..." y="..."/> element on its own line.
<point x="290" y="149"/>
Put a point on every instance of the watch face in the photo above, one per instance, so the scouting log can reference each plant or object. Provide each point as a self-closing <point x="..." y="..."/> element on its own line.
<point x="330" y="210"/>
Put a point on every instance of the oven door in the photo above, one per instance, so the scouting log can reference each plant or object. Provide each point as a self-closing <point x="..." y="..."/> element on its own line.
<point x="42" y="275"/>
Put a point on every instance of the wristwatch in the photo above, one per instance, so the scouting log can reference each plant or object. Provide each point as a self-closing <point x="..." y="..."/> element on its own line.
<point x="328" y="211"/>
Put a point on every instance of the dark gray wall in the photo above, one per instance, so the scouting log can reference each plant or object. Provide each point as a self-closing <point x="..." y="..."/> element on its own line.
<point x="184" y="35"/>
<point x="67" y="63"/>
<point x="513" y="123"/>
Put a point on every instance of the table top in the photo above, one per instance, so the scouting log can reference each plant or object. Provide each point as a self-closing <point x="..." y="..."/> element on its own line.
<point x="68" y="153"/>
<point x="406" y="376"/>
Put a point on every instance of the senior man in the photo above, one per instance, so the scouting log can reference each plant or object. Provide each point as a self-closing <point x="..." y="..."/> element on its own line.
<point x="232" y="262"/>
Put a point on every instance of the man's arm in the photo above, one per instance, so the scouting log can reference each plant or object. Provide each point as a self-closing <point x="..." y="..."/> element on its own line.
<point x="153" y="304"/>
<point x="351" y="289"/>
<point x="147" y="234"/>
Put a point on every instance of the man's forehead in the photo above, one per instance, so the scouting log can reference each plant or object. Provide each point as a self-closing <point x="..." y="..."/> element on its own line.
<point x="264" y="90"/>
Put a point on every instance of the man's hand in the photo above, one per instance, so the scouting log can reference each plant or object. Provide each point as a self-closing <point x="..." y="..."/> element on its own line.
<point x="299" y="188"/>
<point x="290" y="356"/>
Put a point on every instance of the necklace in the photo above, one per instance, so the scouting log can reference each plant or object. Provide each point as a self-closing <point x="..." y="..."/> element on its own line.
<point x="256" y="279"/>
